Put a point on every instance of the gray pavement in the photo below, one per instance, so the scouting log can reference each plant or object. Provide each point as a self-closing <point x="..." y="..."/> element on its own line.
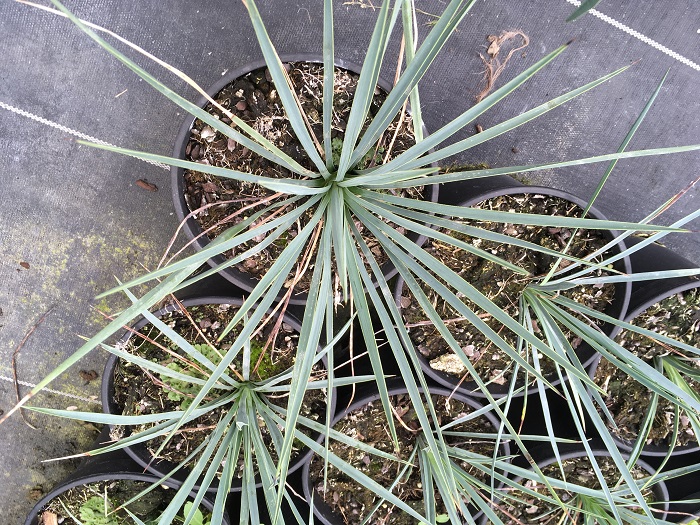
<point x="72" y="218"/>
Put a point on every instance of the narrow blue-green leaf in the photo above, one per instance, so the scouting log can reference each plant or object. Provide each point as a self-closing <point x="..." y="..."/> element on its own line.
<point x="277" y="275"/>
<point x="608" y="172"/>
<point x="184" y="345"/>
<point x="374" y="177"/>
<point x="309" y="338"/>
<point x="642" y="242"/>
<point x="397" y="336"/>
<point x="259" y="145"/>
<point x="384" y="212"/>
<point x="582" y="9"/>
<point x="636" y="277"/>
<point x="292" y="187"/>
<point x="336" y="218"/>
<point x="511" y="170"/>
<point x="299" y="187"/>
<point x="224" y="242"/>
<point x="425" y="54"/>
<point x="444" y="133"/>
<point x="360" y="477"/>
<point x="367" y="83"/>
<point x="367" y="330"/>
<point x="410" y="37"/>
<point x="162" y="370"/>
<point x="508" y="125"/>
<point x="589" y="312"/>
<point x="328" y="80"/>
<point x="511" y="218"/>
<point x="628" y="362"/>
<point x="212" y="449"/>
<point x="284" y="90"/>
<point x="474" y="231"/>
<point x="147" y="301"/>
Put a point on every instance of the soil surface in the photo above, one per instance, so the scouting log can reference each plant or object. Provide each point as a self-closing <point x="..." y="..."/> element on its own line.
<point x="628" y="400"/>
<point x="140" y="392"/>
<point x="532" y="511"/>
<point x="502" y="286"/>
<point x="87" y="503"/>
<point x="368" y="425"/>
<point x="255" y="100"/>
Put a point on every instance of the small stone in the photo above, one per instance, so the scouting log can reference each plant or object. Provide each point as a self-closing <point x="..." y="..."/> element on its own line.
<point x="405" y="302"/>
<point x="242" y="105"/>
<point x="208" y="134"/>
<point x="230" y="144"/>
<point x="448" y="363"/>
<point x="468" y="350"/>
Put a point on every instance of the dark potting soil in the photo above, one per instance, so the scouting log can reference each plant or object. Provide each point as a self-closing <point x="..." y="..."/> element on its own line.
<point x="628" y="401"/>
<point x="502" y="286"/>
<point x="529" y="510"/>
<point x="368" y="425"/>
<point x="138" y="392"/>
<point x="88" y="502"/>
<point x="254" y="99"/>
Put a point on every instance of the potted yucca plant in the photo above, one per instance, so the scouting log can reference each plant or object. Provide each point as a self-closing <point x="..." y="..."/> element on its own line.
<point x="246" y="98"/>
<point x="570" y="491"/>
<point x="334" y="207"/>
<point x="113" y="490"/>
<point x="365" y="451"/>
<point x="506" y="268"/>
<point x="663" y="329"/>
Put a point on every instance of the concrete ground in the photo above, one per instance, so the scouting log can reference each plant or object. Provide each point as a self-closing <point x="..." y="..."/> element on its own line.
<point x="72" y="218"/>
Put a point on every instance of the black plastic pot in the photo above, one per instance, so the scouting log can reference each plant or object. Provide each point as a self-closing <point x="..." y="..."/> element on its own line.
<point x="653" y="258"/>
<point x="544" y="456"/>
<point x="112" y="466"/>
<point x="471" y="192"/>
<point x="323" y="512"/>
<point x="193" y="230"/>
<point x="139" y="452"/>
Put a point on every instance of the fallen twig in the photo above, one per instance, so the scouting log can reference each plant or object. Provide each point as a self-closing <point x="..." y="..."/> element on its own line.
<point x="15" y="353"/>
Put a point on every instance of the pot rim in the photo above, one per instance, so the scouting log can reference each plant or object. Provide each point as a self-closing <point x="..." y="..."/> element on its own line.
<point x="191" y="227"/>
<point x="138" y="452"/>
<point x="622" y="290"/>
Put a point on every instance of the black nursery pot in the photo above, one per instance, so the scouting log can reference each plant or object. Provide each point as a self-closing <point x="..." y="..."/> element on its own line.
<point x="322" y="511"/>
<point x="544" y="456"/>
<point x="654" y="258"/>
<point x="192" y="228"/>
<point x="115" y="465"/>
<point x="471" y="192"/>
<point x="139" y="452"/>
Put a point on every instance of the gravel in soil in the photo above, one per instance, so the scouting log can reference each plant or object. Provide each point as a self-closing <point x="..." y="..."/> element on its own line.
<point x="88" y="503"/>
<point x="628" y="400"/>
<point x="525" y="509"/>
<point x="502" y="286"/>
<point x="225" y="202"/>
<point x="139" y="392"/>
<point x="368" y="425"/>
